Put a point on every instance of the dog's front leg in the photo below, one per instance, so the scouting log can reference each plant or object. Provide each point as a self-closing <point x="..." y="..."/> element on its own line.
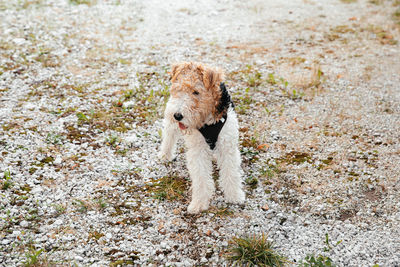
<point x="199" y="163"/>
<point x="169" y="138"/>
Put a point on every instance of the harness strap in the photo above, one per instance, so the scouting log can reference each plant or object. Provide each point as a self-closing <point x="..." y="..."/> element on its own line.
<point x="211" y="132"/>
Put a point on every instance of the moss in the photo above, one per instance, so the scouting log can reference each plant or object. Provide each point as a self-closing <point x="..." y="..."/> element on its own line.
<point x="252" y="182"/>
<point x="82" y="2"/>
<point x="167" y="188"/>
<point x="47" y="160"/>
<point x="10" y="126"/>
<point x="95" y="235"/>
<point x="32" y="170"/>
<point x="295" y="157"/>
<point x="121" y="263"/>
<point x="221" y="212"/>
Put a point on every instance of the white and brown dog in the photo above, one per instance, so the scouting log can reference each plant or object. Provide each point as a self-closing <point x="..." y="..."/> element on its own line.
<point x="200" y="108"/>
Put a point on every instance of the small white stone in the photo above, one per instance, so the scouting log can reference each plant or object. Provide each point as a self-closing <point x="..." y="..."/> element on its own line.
<point x="129" y="104"/>
<point x="58" y="222"/>
<point x="5" y="241"/>
<point x="24" y="224"/>
<point x="36" y="189"/>
<point x="108" y="235"/>
<point x="58" y="160"/>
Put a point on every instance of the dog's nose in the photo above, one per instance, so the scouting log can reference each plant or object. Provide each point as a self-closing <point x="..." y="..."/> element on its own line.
<point x="178" y="116"/>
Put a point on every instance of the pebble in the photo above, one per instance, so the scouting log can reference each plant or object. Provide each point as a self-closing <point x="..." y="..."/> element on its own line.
<point x="24" y="224"/>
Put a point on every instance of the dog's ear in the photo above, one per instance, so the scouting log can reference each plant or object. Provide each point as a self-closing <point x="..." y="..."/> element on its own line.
<point x="212" y="77"/>
<point x="176" y="69"/>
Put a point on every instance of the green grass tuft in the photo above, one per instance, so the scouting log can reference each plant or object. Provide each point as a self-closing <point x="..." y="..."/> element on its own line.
<point x="254" y="251"/>
<point x="7" y="180"/>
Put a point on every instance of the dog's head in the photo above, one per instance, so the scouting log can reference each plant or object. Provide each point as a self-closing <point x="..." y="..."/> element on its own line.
<point x="196" y="95"/>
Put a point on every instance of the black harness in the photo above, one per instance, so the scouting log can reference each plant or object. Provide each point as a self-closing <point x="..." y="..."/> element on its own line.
<point x="211" y="132"/>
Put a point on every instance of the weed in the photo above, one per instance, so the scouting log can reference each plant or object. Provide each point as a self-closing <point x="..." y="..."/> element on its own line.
<point x="54" y="138"/>
<point x="317" y="261"/>
<point x="167" y="187"/>
<point x="253" y="78"/>
<point x="60" y="209"/>
<point x="7" y="180"/>
<point x="101" y="203"/>
<point x="33" y="258"/>
<point x="243" y="101"/>
<point x="270" y="171"/>
<point x="113" y="140"/>
<point x="82" y="118"/>
<point x="254" y="251"/>
<point x="321" y="260"/>
<point x="81" y="205"/>
<point x="250" y="154"/>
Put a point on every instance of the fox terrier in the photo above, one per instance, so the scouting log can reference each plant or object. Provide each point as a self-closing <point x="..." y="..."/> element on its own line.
<point x="200" y="109"/>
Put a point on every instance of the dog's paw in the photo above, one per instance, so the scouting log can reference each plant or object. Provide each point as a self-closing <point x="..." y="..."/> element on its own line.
<point x="197" y="206"/>
<point x="237" y="197"/>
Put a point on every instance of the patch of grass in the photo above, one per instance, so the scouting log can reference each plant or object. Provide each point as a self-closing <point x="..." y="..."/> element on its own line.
<point x="82" y="2"/>
<point x="47" y="59"/>
<point x="252" y="182"/>
<point x="383" y="36"/>
<point x="81" y="205"/>
<point x="243" y="101"/>
<point x="82" y="118"/>
<point x="101" y="203"/>
<point x="376" y="2"/>
<point x="145" y="98"/>
<point x="295" y="157"/>
<point x="122" y="263"/>
<point x="54" y="138"/>
<point x="6" y="182"/>
<point x="317" y="261"/>
<point x="348" y="1"/>
<point x="95" y="235"/>
<point x="254" y="251"/>
<point x="167" y="188"/>
<point x="250" y="154"/>
<point x="113" y="140"/>
<point x="270" y="171"/>
<point x="396" y="16"/>
<point x="221" y="212"/>
<point x="60" y="209"/>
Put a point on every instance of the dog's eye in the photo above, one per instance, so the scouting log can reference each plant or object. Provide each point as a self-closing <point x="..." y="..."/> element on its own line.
<point x="195" y="92"/>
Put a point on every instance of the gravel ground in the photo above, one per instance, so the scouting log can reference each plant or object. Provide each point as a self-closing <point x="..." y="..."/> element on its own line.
<point x="83" y="85"/>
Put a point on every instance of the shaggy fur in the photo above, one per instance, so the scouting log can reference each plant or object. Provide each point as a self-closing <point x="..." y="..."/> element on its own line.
<point x="199" y="98"/>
